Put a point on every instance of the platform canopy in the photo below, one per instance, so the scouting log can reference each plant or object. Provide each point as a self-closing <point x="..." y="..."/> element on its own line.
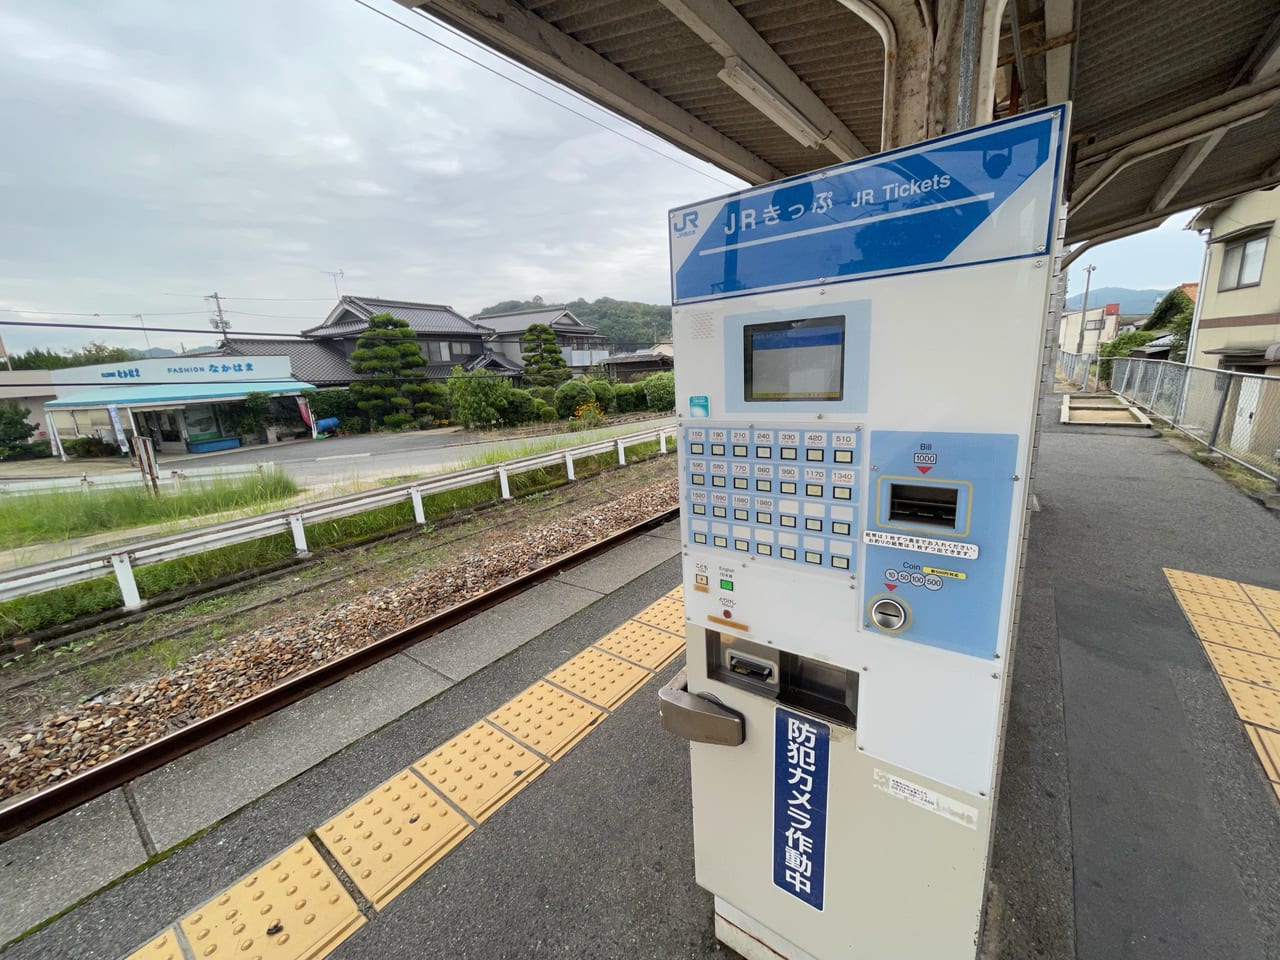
<point x="1174" y="102"/>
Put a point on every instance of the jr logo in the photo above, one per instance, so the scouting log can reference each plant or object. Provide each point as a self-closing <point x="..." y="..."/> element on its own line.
<point x="686" y="224"/>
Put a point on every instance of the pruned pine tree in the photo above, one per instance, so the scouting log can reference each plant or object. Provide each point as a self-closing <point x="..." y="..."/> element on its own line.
<point x="391" y="367"/>
<point x="544" y="365"/>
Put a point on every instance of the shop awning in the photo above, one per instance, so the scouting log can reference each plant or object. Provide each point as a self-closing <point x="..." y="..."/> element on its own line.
<point x="154" y="394"/>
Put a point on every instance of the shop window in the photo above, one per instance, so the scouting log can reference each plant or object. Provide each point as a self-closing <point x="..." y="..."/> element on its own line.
<point x="1242" y="263"/>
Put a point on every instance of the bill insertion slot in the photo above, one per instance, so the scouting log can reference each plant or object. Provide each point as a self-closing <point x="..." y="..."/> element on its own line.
<point x="927" y="504"/>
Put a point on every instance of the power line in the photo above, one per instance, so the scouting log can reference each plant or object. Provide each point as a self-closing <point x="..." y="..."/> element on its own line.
<point x="63" y="313"/>
<point x="542" y="96"/>
<point x="270" y="316"/>
<point x="198" y="296"/>
<point x="273" y="334"/>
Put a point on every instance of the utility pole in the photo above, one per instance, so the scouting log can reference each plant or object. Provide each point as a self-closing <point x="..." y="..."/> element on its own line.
<point x="221" y="324"/>
<point x="1084" y="312"/>
<point x="145" y="336"/>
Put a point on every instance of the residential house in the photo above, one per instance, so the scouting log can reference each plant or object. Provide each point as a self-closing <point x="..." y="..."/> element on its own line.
<point x="580" y="343"/>
<point x="1237" y="322"/>
<point x="1100" y="326"/>
<point x="446" y="338"/>
<point x="633" y="367"/>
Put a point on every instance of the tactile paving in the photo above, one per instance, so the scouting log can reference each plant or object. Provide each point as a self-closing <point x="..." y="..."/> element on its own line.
<point x="1267" y="744"/>
<point x="1254" y="704"/>
<point x="642" y="644"/>
<point x="665" y="614"/>
<point x="1199" y="583"/>
<point x="599" y="677"/>
<point x="163" y="947"/>
<point x="1254" y="639"/>
<point x="1232" y="610"/>
<point x="480" y="769"/>
<point x="390" y="836"/>
<point x="1263" y="596"/>
<point x="547" y="719"/>
<point x="678" y="594"/>
<point x="1272" y="615"/>
<point x="291" y="908"/>
<point x="1243" y="665"/>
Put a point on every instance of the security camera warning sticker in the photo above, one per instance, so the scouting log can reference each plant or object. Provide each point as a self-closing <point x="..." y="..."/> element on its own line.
<point x="801" y="767"/>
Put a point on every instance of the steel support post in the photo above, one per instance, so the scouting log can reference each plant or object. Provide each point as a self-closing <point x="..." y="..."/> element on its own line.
<point x="505" y="483"/>
<point x="419" y="515"/>
<point x="622" y="456"/>
<point x="124" y="576"/>
<point x="299" y="534"/>
<point x="568" y="466"/>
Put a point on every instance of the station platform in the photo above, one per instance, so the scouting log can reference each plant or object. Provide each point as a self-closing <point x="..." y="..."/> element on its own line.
<point x="1136" y="817"/>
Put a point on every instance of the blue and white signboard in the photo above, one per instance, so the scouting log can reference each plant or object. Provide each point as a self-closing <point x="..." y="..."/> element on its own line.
<point x="963" y="199"/>
<point x="801" y="764"/>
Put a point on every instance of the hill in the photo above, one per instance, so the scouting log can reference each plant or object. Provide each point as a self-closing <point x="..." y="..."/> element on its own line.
<point x="1132" y="302"/>
<point x="627" y="325"/>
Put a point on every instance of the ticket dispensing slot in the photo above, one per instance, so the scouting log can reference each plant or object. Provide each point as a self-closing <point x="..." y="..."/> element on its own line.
<point x="792" y="680"/>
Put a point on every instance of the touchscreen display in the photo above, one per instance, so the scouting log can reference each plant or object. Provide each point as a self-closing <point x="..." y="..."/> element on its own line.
<point x="794" y="360"/>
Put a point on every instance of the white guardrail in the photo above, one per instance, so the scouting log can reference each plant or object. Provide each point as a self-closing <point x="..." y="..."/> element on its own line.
<point x="121" y="560"/>
<point x="134" y="478"/>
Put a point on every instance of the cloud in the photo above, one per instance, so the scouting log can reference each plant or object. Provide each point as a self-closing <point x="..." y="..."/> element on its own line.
<point x="167" y="154"/>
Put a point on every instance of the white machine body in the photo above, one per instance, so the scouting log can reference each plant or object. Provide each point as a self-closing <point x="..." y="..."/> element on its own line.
<point x="858" y="365"/>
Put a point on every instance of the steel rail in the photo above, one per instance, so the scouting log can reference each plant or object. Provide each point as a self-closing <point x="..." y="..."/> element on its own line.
<point x="27" y="812"/>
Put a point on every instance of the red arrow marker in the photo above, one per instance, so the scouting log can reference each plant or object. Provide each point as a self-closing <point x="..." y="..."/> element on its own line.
<point x="923" y="469"/>
<point x="892" y="586"/>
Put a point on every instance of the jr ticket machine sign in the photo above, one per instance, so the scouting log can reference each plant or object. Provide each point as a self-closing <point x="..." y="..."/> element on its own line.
<point x="859" y="354"/>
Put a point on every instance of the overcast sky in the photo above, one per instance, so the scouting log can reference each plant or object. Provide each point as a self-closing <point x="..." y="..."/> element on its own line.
<point x="156" y="149"/>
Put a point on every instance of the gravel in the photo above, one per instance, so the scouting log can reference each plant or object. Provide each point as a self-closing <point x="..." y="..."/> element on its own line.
<point x="70" y="741"/>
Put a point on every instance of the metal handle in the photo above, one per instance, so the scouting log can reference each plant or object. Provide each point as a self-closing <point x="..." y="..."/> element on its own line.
<point x="697" y="718"/>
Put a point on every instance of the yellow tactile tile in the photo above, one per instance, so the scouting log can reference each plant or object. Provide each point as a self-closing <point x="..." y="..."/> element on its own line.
<point x="599" y="677"/>
<point x="642" y="644"/>
<point x="290" y="908"/>
<point x="480" y="769"/>
<point x="1199" y="583"/>
<point x="1267" y="744"/>
<point x="1243" y="665"/>
<point x="390" y="836"/>
<point x="1255" y="639"/>
<point x="163" y="947"/>
<point x="1233" y="610"/>
<point x="1272" y="615"/>
<point x="678" y="593"/>
<point x="1263" y="596"/>
<point x="547" y="719"/>
<point x="1254" y="704"/>
<point x="665" y="614"/>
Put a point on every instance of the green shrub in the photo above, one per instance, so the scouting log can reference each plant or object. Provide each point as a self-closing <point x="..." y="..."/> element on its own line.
<point x="27" y="451"/>
<point x="478" y="397"/>
<point x="547" y="413"/>
<point x="546" y="394"/>
<point x="1122" y="346"/>
<point x="90" y="447"/>
<point x="432" y="404"/>
<point x="520" y="407"/>
<point x="605" y="394"/>
<point x="624" y="397"/>
<point x="570" y="396"/>
<point x="660" y="392"/>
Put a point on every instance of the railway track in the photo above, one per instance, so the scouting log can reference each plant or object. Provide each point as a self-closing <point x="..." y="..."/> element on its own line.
<point x="29" y="810"/>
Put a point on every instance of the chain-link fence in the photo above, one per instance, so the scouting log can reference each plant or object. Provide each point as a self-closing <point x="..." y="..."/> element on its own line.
<point x="1235" y="414"/>
<point x="1075" y="367"/>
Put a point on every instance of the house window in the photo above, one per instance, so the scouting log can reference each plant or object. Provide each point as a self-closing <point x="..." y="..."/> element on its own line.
<point x="1242" y="263"/>
<point x="1094" y="324"/>
<point x="460" y="349"/>
<point x="437" y="350"/>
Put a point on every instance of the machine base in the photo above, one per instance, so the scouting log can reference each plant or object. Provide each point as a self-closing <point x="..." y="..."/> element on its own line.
<point x="751" y="938"/>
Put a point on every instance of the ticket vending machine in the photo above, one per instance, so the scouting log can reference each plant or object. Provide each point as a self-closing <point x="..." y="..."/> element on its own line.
<point x="858" y="359"/>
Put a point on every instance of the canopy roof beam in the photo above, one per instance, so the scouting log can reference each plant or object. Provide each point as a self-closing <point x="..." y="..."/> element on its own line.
<point x="727" y="32"/>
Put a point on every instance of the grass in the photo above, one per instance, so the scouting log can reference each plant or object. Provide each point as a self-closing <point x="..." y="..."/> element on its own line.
<point x="64" y="514"/>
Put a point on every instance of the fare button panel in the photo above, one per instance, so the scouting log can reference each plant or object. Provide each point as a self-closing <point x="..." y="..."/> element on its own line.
<point x="775" y="492"/>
